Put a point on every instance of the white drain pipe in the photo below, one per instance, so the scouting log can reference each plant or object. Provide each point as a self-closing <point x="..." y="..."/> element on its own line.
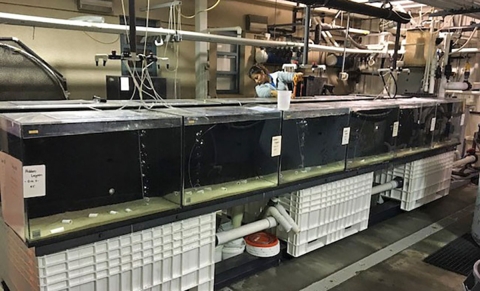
<point x="395" y="183"/>
<point x="274" y="218"/>
<point x="282" y="220"/>
<point x="236" y="233"/>
<point x="283" y="212"/>
<point x="465" y="161"/>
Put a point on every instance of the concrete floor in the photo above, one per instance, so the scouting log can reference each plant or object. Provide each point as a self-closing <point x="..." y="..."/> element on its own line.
<point x="402" y="271"/>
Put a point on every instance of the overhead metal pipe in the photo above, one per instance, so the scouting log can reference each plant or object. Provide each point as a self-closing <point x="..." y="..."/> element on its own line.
<point x="24" y="20"/>
<point x="350" y="6"/>
<point x="397" y="46"/>
<point x="306" y="34"/>
<point x="132" y="20"/>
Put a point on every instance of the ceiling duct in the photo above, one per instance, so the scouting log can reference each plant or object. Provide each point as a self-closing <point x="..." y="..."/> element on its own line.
<point x="349" y="6"/>
<point x="98" y="6"/>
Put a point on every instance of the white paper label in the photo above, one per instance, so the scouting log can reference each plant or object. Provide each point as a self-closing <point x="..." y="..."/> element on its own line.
<point x="124" y="84"/>
<point x="34" y="181"/>
<point x="462" y="120"/>
<point x="395" y="128"/>
<point x="346" y="135"/>
<point x="432" y="125"/>
<point x="276" y="145"/>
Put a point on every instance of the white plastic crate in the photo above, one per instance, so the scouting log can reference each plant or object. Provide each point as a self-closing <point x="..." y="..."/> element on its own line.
<point x="19" y="264"/>
<point x="424" y="180"/>
<point x="175" y="256"/>
<point x="327" y="213"/>
<point x="3" y="249"/>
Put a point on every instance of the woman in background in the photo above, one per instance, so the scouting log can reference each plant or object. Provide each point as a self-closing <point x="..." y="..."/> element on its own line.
<point x="268" y="84"/>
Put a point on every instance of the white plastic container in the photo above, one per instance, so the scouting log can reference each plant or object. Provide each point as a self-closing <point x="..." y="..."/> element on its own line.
<point x="218" y="253"/>
<point x="424" y="180"/>
<point x="327" y="213"/>
<point x="283" y="99"/>
<point x="233" y="248"/>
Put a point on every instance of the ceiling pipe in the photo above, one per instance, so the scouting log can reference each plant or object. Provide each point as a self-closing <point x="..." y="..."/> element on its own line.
<point x="132" y="20"/>
<point x="24" y="20"/>
<point x="287" y="3"/>
<point x="306" y="35"/>
<point x="349" y="6"/>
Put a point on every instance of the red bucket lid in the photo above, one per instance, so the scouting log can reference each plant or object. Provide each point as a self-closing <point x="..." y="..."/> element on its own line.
<point x="261" y="240"/>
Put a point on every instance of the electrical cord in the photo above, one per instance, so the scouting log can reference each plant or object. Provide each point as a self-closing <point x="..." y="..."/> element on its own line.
<point x="205" y="10"/>
<point x="468" y="40"/>
<point x="385" y="85"/>
<point x="40" y="64"/>
<point x="102" y="42"/>
<point x="125" y="21"/>
<point x="396" y="85"/>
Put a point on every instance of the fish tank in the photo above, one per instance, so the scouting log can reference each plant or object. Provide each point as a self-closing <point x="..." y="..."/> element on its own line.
<point x="373" y="131"/>
<point x="63" y="172"/>
<point x="450" y="121"/>
<point x="415" y="125"/>
<point x="313" y="142"/>
<point x="229" y="151"/>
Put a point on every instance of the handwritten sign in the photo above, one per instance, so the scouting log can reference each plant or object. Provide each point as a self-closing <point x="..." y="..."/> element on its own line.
<point x="34" y="181"/>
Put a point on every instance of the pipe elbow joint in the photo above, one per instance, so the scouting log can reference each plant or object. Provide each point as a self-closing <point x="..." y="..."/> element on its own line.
<point x="399" y="181"/>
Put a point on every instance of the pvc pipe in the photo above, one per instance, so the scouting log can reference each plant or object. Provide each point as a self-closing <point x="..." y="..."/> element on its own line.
<point x="306" y="34"/>
<point x="444" y="86"/>
<point x="237" y="216"/>
<point x="385" y="187"/>
<point x="24" y="20"/>
<point x="430" y="57"/>
<point x="465" y="161"/>
<point x="466" y="50"/>
<point x="236" y="233"/>
<point x="283" y="212"/>
<point x="441" y="89"/>
<point x="443" y="80"/>
<point x="456" y="86"/>
<point x="279" y="218"/>
<point x="433" y="67"/>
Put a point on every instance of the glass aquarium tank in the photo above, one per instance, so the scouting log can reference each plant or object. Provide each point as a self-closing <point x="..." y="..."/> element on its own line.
<point x="63" y="172"/>
<point x="373" y="130"/>
<point x="450" y="121"/>
<point x="229" y="151"/>
<point x="415" y="125"/>
<point x="312" y="140"/>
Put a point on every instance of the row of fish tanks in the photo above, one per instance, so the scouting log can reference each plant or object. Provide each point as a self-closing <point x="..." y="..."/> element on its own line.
<point x="67" y="171"/>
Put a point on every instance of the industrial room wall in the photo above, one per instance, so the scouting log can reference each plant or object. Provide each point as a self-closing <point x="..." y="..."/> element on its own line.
<point x="72" y="52"/>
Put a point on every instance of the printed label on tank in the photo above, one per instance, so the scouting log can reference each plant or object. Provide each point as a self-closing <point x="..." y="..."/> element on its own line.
<point x="395" y="128"/>
<point x="34" y="181"/>
<point x="462" y="120"/>
<point x="346" y="135"/>
<point x="276" y="145"/>
<point x="124" y="84"/>
<point x="432" y="125"/>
